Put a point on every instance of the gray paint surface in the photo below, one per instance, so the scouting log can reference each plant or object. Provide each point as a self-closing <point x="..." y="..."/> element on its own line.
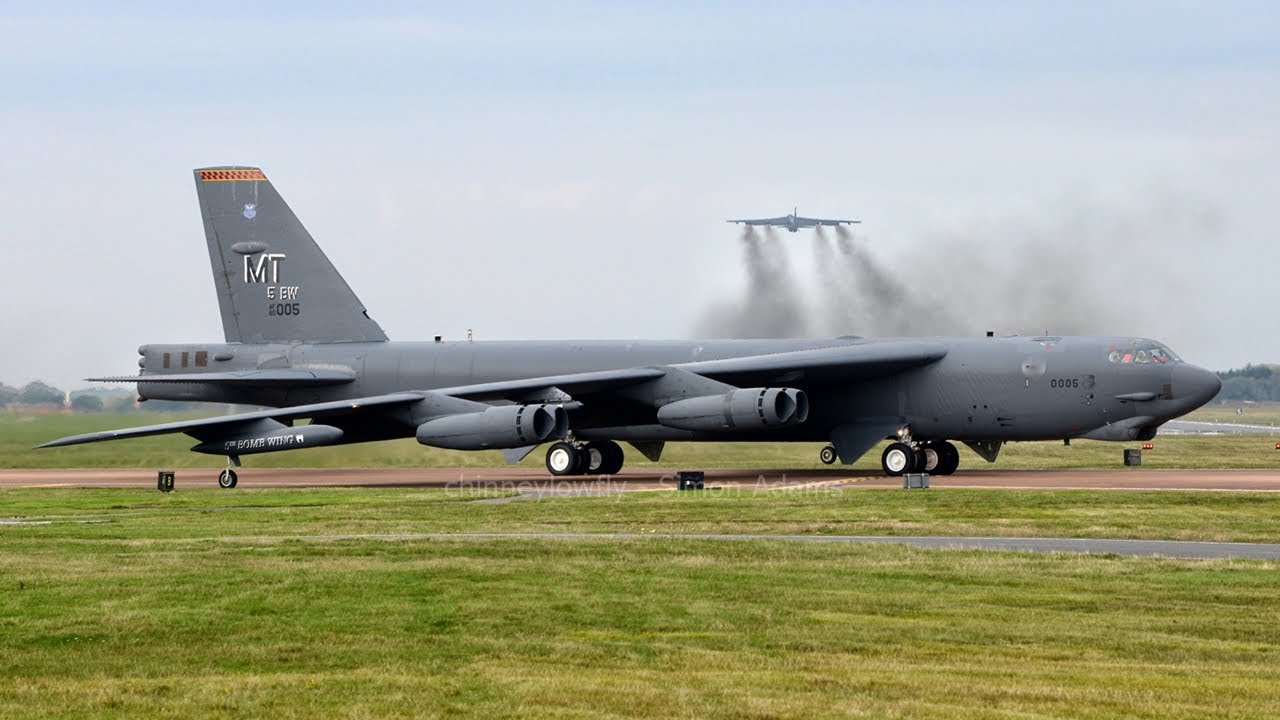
<point x="793" y="222"/>
<point x="299" y="339"/>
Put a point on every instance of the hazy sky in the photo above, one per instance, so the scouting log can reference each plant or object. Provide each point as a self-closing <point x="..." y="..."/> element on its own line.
<point x="562" y="170"/>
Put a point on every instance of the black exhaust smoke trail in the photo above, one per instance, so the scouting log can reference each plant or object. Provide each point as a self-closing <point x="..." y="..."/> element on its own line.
<point x="1082" y="267"/>
<point x="889" y="306"/>
<point x="772" y="304"/>
<point x="841" y="309"/>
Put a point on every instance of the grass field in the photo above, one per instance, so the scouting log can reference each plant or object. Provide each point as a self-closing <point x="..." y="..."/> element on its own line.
<point x="1265" y="413"/>
<point x="129" y="603"/>
<point x="20" y="433"/>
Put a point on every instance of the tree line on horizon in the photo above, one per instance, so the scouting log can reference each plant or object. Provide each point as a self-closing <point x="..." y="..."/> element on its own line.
<point x="1251" y="383"/>
<point x="38" y="394"/>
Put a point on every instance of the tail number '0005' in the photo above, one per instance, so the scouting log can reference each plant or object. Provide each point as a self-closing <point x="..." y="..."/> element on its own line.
<point x="1064" y="383"/>
<point x="274" y="309"/>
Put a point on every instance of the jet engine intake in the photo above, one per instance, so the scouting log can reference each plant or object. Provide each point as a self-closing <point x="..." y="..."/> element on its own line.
<point x="502" y="427"/>
<point x="746" y="409"/>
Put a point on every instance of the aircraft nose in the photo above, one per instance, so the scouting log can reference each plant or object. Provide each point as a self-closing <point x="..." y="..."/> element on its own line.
<point x="1195" y="384"/>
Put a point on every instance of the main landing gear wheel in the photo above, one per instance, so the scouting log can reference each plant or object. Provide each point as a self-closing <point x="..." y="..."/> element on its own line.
<point x="948" y="458"/>
<point x="927" y="459"/>
<point x="564" y="459"/>
<point x="603" y="458"/>
<point x="898" y="459"/>
<point x="227" y="479"/>
<point x="594" y="458"/>
<point x="827" y="455"/>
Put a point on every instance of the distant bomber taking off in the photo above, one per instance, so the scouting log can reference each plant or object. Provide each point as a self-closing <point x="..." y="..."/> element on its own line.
<point x="793" y="222"/>
<point x="299" y="342"/>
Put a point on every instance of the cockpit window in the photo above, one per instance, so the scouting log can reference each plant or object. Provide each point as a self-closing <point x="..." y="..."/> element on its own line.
<point x="1141" y="352"/>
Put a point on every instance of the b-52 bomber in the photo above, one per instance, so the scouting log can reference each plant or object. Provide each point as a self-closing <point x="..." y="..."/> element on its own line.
<point x="300" y="343"/>
<point x="793" y="222"/>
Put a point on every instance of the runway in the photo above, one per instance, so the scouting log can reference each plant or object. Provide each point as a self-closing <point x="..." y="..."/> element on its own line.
<point x="535" y="481"/>
<point x="1201" y="427"/>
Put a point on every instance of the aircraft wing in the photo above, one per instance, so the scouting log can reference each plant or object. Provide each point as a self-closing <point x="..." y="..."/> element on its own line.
<point x="777" y="222"/>
<point x="376" y="407"/>
<point x="844" y="362"/>
<point x="582" y="383"/>
<point x="805" y="222"/>
<point x="852" y="362"/>
<point x="847" y="362"/>
<point x="197" y="428"/>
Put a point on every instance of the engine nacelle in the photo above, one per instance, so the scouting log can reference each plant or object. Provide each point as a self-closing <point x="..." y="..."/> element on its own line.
<point x="506" y="426"/>
<point x="747" y="409"/>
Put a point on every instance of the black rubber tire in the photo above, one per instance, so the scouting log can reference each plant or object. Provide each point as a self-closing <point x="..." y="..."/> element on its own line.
<point x="928" y="459"/>
<point x="564" y="459"/>
<point x="948" y="458"/>
<point x="584" y="461"/>
<point x="227" y="479"/>
<point x="611" y="458"/>
<point x="898" y="459"/>
<point x="828" y="455"/>
<point x="594" y="455"/>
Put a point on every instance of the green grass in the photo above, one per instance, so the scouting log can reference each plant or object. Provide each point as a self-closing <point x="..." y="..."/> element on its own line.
<point x="1263" y="413"/>
<point x="136" y="604"/>
<point x="248" y="512"/>
<point x="20" y="433"/>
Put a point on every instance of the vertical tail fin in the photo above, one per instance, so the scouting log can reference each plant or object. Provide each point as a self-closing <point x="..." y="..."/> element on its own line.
<point x="274" y="283"/>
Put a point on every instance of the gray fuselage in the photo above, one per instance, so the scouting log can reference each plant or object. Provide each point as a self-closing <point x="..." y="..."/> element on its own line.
<point x="983" y="389"/>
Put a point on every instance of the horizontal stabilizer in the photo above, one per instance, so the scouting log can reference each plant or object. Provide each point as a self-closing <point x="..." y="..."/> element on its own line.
<point x="294" y="377"/>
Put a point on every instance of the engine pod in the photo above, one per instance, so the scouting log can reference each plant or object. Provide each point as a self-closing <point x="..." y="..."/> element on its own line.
<point x="507" y="426"/>
<point x="746" y="409"/>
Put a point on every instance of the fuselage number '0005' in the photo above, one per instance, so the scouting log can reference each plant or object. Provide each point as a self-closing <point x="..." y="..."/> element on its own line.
<point x="1064" y="383"/>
